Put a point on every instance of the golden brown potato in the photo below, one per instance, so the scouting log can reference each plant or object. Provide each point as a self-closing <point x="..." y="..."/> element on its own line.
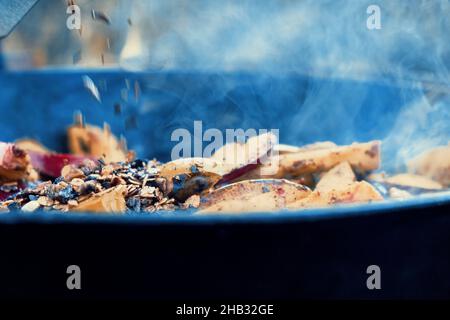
<point x="101" y="143"/>
<point x="318" y="145"/>
<point x="263" y="171"/>
<point x="188" y="176"/>
<point x="188" y="165"/>
<point x="241" y="154"/>
<point x="362" y="157"/>
<point x="285" y="148"/>
<point x="253" y="195"/>
<point x="414" y="181"/>
<point x="396" y="193"/>
<point x="316" y="158"/>
<point x="357" y="192"/>
<point x="110" y="200"/>
<point x="434" y="164"/>
<point x="340" y="177"/>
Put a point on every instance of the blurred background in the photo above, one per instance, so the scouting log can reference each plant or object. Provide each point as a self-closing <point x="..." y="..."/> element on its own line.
<point x="317" y="71"/>
<point x="321" y="37"/>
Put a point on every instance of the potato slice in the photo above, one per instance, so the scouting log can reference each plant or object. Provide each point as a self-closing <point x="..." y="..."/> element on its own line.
<point x="318" y="145"/>
<point x="357" y="192"/>
<point x="244" y="157"/>
<point x="90" y="140"/>
<point x="263" y="171"/>
<point x="189" y="165"/>
<point x="285" y="148"/>
<point x="188" y="176"/>
<point x="434" y="164"/>
<point x="253" y="195"/>
<point x="110" y="200"/>
<point x="397" y="193"/>
<point x="414" y="181"/>
<point x="362" y="157"/>
<point x="338" y="178"/>
<point x="241" y="154"/>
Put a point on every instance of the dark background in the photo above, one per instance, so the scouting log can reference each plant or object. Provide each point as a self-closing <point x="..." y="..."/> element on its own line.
<point x="288" y="259"/>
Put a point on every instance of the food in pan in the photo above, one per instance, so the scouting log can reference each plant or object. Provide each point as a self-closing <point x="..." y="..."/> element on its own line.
<point x="100" y="175"/>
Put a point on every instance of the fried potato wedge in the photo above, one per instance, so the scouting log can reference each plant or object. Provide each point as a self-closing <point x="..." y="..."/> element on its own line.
<point x="357" y="192"/>
<point x="244" y="157"/>
<point x="413" y="181"/>
<point x="270" y="170"/>
<point x="362" y="157"/>
<point x="110" y="200"/>
<point x="434" y="164"/>
<point x="188" y="176"/>
<point x="318" y="145"/>
<point x="241" y="154"/>
<point x="90" y="140"/>
<point x="396" y="193"/>
<point x="192" y="165"/>
<point x="253" y="195"/>
<point x="285" y="148"/>
<point x="340" y="177"/>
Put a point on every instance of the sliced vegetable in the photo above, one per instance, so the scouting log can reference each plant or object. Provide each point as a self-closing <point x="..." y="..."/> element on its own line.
<point x="88" y="140"/>
<point x="110" y="200"/>
<point x="340" y="177"/>
<point x="357" y="192"/>
<point x="254" y="195"/>
<point x="362" y="157"/>
<point x="434" y="164"/>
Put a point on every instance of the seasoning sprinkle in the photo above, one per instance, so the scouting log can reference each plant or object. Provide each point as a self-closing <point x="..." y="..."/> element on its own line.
<point x="98" y="15"/>
<point x="89" y="84"/>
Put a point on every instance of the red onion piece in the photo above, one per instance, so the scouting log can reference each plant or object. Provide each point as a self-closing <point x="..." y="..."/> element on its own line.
<point x="51" y="164"/>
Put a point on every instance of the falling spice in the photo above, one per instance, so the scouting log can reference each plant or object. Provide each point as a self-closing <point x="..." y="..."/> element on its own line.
<point x="89" y="84"/>
<point x="117" y="109"/>
<point x="131" y="123"/>
<point x="137" y="90"/>
<point x="98" y="15"/>
<point x="130" y="23"/>
<point x="124" y="94"/>
<point x="103" y="59"/>
<point x="78" y="119"/>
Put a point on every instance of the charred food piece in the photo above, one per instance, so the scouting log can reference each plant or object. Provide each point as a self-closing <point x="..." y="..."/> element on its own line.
<point x="189" y="176"/>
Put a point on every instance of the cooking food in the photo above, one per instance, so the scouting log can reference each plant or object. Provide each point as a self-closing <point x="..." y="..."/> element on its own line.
<point x="100" y="175"/>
